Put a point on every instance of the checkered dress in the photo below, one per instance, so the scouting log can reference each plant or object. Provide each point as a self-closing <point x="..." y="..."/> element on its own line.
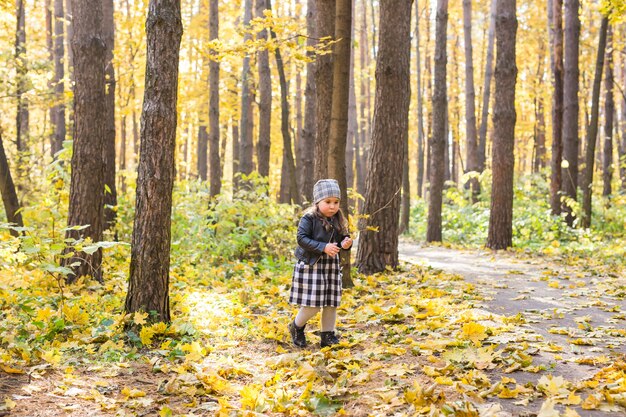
<point x="317" y="285"/>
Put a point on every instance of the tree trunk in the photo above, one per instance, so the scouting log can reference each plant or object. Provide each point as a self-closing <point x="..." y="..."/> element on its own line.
<point x="501" y="217"/>
<point x="405" y="203"/>
<point x="246" y="147"/>
<point x="148" y="287"/>
<point x="202" y="150"/>
<point x="539" y="128"/>
<point x="592" y="131"/>
<point x="58" y="110"/>
<point x="609" y="110"/>
<point x="379" y="250"/>
<point x="289" y="189"/>
<point x="265" y="99"/>
<point x="420" y="106"/>
<point x="87" y="183"/>
<point x="621" y="148"/>
<point x="364" y="85"/>
<point x="9" y="195"/>
<point x="306" y="168"/>
<point x="110" y="194"/>
<point x="338" y="130"/>
<point x="50" y="48"/>
<point x="325" y="27"/>
<point x="471" y="163"/>
<point x="22" y="114"/>
<point x="484" y="120"/>
<point x="215" y="163"/>
<point x="555" y="11"/>
<point x="438" y="139"/>
<point x="570" y="105"/>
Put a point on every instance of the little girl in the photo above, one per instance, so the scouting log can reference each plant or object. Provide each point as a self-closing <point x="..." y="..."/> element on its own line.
<point x="316" y="282"/>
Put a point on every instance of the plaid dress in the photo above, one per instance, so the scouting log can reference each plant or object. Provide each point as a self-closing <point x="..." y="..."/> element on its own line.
<point x="317" y="285"/>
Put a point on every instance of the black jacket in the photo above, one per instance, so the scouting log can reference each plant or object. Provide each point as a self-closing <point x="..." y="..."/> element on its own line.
<point x="313" y="237"/>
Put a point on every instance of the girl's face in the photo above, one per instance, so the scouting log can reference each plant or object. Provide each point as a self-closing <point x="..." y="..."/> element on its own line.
<point x="329" y="206"/>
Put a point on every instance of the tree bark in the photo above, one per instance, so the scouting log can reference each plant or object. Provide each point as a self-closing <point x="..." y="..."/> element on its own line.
<point x="621" y="148"/>
<point x="609" y="111"/>
<point x="22" y="114"/>
<point x="420" y="106"/>
<point x="484" y="120"/>
<point x="471" y="163"/>
<point x="379" y="250"/>
<point x="265" y="99"/>
<point x="592" y="131"/>
<point x="110" y="194"/>
<point x="570" y="105"/>
<point x="87" y="181"/>
<point x="555" y="11"/>
<point x="325" y="27"/>
<point x="148" y="287"/>
<point x="9" y="195"/>
<point x="202" y="145"/>
<point x="306" y="168"/>
<point x="501" y="218"/>
<point x="246" y="147"/>
<point x="438" y="139"/>
<point x="215" y="163"/>
<point x="58" y="110"/>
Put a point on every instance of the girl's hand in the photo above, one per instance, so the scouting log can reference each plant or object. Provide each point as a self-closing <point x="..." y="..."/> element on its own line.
<point x="347" y="242"/>
<point x="331" y="249"/>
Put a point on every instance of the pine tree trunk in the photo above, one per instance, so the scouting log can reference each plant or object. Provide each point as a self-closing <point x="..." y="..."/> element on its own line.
<point x="555" y="11"/>
<point x="570" y="105"/>
<point x="148" y="287"/>
<point x="87" y="183"/>
<point x="325" y="27"/>
<point x="592" y="132"/>
<point x="246" y="147"/>
<point x="470" y="106"/>
<point x="609" y="111"/>
<point x="202" y="150"/>
<point x="22" y="114"/>
<point x="503" y="157"/>
<point x="364" y="133"/>
<point x="438" y="140"/>
<point x="8" y="193"/>
<point x="110" y="195"/>
<point x="58" y="110"/>
<point x="379" y="250"/>
<point x="621" y="148"/>
<point x="265" y="99"/>
<point x="215" y="161"/>
<point x="306" y="168"/>
<point x="420" y="106"/>
<point x="484" y="120"/>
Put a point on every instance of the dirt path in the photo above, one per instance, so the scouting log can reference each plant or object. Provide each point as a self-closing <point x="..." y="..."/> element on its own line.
<point x="573" y="317"/>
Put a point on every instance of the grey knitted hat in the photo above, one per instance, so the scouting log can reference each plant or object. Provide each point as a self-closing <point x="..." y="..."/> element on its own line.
<point x="325" y="189"/>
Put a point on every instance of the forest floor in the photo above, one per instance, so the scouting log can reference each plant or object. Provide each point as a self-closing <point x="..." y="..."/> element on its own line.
<point x="455" y="332"/>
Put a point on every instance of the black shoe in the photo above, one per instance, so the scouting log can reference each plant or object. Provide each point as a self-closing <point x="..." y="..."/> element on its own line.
<point x="329" y="339"/>
<point x="297" y="334"/>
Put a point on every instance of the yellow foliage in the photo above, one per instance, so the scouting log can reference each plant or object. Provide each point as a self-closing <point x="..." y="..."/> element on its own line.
<point x="475" y="332"/>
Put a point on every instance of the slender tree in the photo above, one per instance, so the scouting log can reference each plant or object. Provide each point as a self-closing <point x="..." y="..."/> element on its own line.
<point x="22" y="114"/>
<point x="592" y="131"/>
<point x="503" y="158"/>
<point x="555" y="11"/>
<point x="570" y="105"/>
<point x="7" y="191"/>
<point x="338" y="130"/>
<point x="484" y="119"/>
<point x="436" y="172"/>
<point x="215" y="164"/>
<point x="379" y="249"/>
<point x="470" y="106"/>
<point x="420" y="105"/>
<point x="246" y="147"/>
<point x="148" y="286"/>
<point x="609" y="110"/>
<point x="265" y="98"/>
<point x="87" y="183"/>
<point x="58" y="110"/>
<point x="306" y="168"/>
<point x="621" y="148"/>
<point x="110" y="195"/>
<point x="324" y="27"/>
